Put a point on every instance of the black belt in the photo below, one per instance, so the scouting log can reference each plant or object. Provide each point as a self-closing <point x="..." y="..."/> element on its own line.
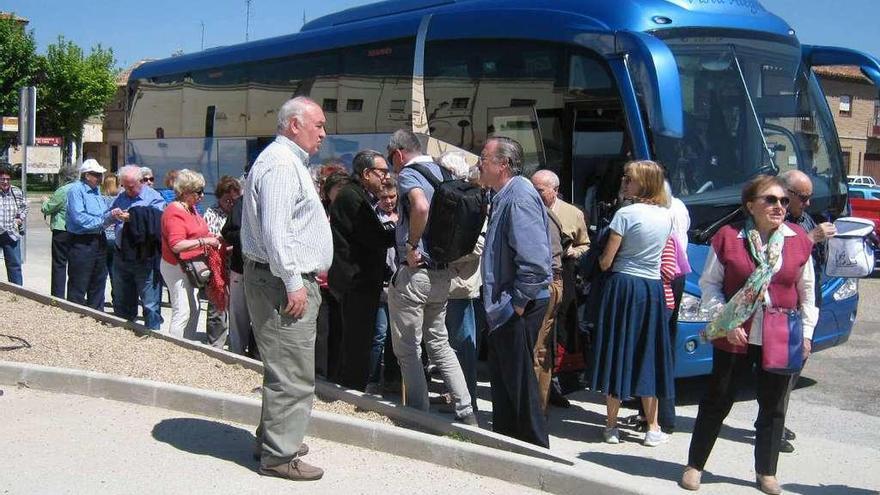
<point x="265" y="266"/>
<point x="429" y="265"/>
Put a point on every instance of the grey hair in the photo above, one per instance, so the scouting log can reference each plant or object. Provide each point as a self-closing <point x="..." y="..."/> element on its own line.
<point x="549" y="176"/>
<point x="406" y="140"/>
<point x="145" y="171"/>
<point x="511" y="150"/>
<point x="456" y="163"/>
<point x="132" y="171"/>
<point x="293" y="108"/>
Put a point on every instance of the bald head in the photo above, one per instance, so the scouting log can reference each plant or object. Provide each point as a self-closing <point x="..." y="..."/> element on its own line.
<point x="800" y="190"/>
<point x="547" y="184"/>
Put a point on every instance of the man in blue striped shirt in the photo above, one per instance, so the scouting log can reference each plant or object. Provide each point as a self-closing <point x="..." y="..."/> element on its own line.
<point x="87" y="215"/>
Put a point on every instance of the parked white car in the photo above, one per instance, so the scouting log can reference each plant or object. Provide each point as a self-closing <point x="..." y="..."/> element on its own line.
<point x="861" y="180"/>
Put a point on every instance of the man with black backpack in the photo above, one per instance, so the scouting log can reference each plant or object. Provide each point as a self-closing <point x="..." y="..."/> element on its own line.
<point x="420" y="287"/>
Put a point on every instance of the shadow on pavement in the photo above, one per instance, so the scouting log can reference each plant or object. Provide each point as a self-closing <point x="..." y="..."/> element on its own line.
<point x="827" y="489"/>
<point x="202" y="437"/>
<point x="654" y="468"/>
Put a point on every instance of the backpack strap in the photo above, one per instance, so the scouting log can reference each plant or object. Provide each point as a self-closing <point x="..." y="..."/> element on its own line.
<point x="429" y="176"/>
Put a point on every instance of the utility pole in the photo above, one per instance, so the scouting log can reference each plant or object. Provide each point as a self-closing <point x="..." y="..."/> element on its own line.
<point x="203" y="35"/>
<point x="247" y="20"/>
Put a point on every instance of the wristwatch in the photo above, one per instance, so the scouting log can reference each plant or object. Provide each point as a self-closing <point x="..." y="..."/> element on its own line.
<point x="412" y="245"/>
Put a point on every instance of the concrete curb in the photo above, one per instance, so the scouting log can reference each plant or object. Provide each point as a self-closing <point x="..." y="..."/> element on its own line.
<point x="481" y="460"/>
<point x="412" y="418"/>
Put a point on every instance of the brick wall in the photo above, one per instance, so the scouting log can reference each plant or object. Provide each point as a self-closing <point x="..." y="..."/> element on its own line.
<point x="854" y="129"/>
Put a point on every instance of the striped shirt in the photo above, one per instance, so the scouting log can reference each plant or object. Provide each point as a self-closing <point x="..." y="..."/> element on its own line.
<point x="283" y="222"/>
<point x="668" y="267"/>
<point x="12" y="206"/>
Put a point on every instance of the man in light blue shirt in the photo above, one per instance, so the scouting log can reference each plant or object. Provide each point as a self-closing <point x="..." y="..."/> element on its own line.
<point x="517" y="272"/>
<point x="136" y="267"/>
<point x="87" y="216"/>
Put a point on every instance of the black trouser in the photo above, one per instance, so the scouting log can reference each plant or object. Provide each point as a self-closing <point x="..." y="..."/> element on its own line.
<point x="359" y="307"/>
<point x="87" y="271"/>
<point x="567" y="315"/>
<point x="728" y="369"/>
<point x="60" y="248"/>
<point x="516" y="406"/>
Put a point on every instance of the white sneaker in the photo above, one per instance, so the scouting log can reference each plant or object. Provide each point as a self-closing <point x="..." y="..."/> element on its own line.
<point x="655" y="438"/>
<point x="611" y="435"/>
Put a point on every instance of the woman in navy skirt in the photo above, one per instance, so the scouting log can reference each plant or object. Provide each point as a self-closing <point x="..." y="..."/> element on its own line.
<point x="631" y="349"/>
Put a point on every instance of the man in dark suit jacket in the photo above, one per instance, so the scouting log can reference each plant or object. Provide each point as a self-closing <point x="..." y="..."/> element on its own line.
<point x="360" y="243"/>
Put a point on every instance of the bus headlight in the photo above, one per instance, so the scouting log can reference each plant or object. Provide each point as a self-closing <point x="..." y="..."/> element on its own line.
<point x="849" y="288"/>
<point x="690" y="310"/>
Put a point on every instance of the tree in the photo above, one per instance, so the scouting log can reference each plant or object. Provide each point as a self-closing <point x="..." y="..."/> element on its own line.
<point x="74" y="87"/>
<point x="18" y="63"/>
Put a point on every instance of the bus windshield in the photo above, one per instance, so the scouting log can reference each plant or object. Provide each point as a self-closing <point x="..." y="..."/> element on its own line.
<point x="750" y="107"/>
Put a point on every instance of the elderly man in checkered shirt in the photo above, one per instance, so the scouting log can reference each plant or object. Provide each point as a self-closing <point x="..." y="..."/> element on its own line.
<point x="13" y="214"/>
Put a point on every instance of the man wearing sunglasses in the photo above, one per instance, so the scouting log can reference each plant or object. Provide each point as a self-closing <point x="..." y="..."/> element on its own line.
<point x="87" y="215"/>
<point x="360" y="244"/>
<point x="800" y="191"/>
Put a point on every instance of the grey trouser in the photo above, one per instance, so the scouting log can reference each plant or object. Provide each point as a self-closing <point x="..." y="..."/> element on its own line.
<point x="287" y="347"/>
<point x="417" y="309"/>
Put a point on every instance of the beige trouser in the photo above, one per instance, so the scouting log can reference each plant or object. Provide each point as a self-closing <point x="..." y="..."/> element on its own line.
<point x="287" y="347"/>
<point x="543" y="354"/>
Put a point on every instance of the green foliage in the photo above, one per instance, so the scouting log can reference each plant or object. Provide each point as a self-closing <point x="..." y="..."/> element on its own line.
<point x="17" y="66"/>
<point x="73" y="87"/>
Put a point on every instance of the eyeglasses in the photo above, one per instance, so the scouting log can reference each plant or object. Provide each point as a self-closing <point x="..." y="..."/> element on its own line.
<point x="773" y="200"/>
<point x="148" y="179"/>
<point x="626" y="179"/>
<point x="805" y="198"/>
<point x="5" y="179"/>
<point x="382" y="171"/>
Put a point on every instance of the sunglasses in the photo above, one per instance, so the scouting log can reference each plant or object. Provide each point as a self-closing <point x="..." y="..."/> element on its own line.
<point x="805" y="198"/>
<point x="626" y="179"/>
<point x="202" y="191"/>
<point x="148" y="179"/>
<point x="773" y="200"/>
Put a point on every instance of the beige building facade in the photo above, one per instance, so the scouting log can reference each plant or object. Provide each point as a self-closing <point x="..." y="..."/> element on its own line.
<point x="854" y="102"/>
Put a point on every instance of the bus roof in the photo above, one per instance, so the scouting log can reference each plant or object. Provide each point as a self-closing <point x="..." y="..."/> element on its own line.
<point x="400" y="18"/>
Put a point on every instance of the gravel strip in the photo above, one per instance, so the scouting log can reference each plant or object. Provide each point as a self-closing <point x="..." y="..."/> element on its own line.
<point x="68" y="340"/>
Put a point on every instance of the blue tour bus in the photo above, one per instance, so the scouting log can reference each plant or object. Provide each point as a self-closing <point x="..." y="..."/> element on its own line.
<point x="717" y="91"/>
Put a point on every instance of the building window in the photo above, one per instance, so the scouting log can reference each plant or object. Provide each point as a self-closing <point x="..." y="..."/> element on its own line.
<point x="329" y="105"/>
<point x="460" y="103"/>
<point x="877" y="117"/>
<point x="847" y="158"/>
<point x="845" y="106"/>
<point x="354" y="105"/>
<point x="397" y="106"/>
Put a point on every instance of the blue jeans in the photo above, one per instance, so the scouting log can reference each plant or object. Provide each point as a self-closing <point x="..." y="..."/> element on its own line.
<point x="12" y="257"/>
<point x="462" y="328"/>
<point x="135" y="281"/>
<point x="378" y="347"/>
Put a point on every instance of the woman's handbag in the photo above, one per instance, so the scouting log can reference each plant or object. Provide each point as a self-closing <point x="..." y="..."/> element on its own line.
<point x="196" y="269"/>
<point x="782" y="341"/>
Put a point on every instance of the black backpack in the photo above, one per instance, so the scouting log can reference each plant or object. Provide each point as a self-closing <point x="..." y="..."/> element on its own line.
<point x="455" y="220"/>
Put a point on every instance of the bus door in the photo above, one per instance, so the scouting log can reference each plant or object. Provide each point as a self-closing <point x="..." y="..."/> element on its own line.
<point x="600" y="146"/>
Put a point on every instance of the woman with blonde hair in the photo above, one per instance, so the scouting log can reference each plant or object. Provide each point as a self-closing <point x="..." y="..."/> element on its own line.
<point x="185" y="235"/>
<point x="109" y="191"/>
<point x="632" y="351"/>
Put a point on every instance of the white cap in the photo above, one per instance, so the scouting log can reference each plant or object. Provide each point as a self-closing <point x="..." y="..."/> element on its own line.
<point x="91" y="165"/>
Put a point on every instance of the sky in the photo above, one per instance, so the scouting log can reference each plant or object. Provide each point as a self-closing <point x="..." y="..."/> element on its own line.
<point x="157" y="28"/>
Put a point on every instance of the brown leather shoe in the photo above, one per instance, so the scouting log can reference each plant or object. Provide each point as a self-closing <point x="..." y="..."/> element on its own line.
<point x="258" y="450"/>
<point x="768" y="484"/>
<point x="690" y="479"/>
<point x="294" y="469"/>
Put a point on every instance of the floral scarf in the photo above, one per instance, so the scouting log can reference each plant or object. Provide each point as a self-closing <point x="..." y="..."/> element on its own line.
<point x="746" y="301"/>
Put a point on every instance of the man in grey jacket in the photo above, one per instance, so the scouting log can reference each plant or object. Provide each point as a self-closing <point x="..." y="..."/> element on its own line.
<point x="516" y="275"/>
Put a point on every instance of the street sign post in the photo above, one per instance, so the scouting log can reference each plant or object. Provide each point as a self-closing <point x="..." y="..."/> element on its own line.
<point x="27" y="131"/>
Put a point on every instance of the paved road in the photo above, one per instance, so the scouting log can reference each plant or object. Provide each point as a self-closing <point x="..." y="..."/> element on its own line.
<point x="62" y="444"/>
<point x="835" y="411"/>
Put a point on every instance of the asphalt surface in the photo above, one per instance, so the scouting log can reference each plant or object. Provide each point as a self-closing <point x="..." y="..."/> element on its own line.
<point x="835" y="412"/>
<point x="69" y="444"/>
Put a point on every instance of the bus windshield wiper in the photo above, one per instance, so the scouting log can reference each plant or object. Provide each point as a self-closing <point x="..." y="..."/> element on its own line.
<point x="742" y="79"/>
<point x="701" y="236"/>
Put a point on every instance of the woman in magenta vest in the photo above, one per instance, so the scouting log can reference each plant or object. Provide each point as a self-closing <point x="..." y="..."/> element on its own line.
<point x="763" y="263"/>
